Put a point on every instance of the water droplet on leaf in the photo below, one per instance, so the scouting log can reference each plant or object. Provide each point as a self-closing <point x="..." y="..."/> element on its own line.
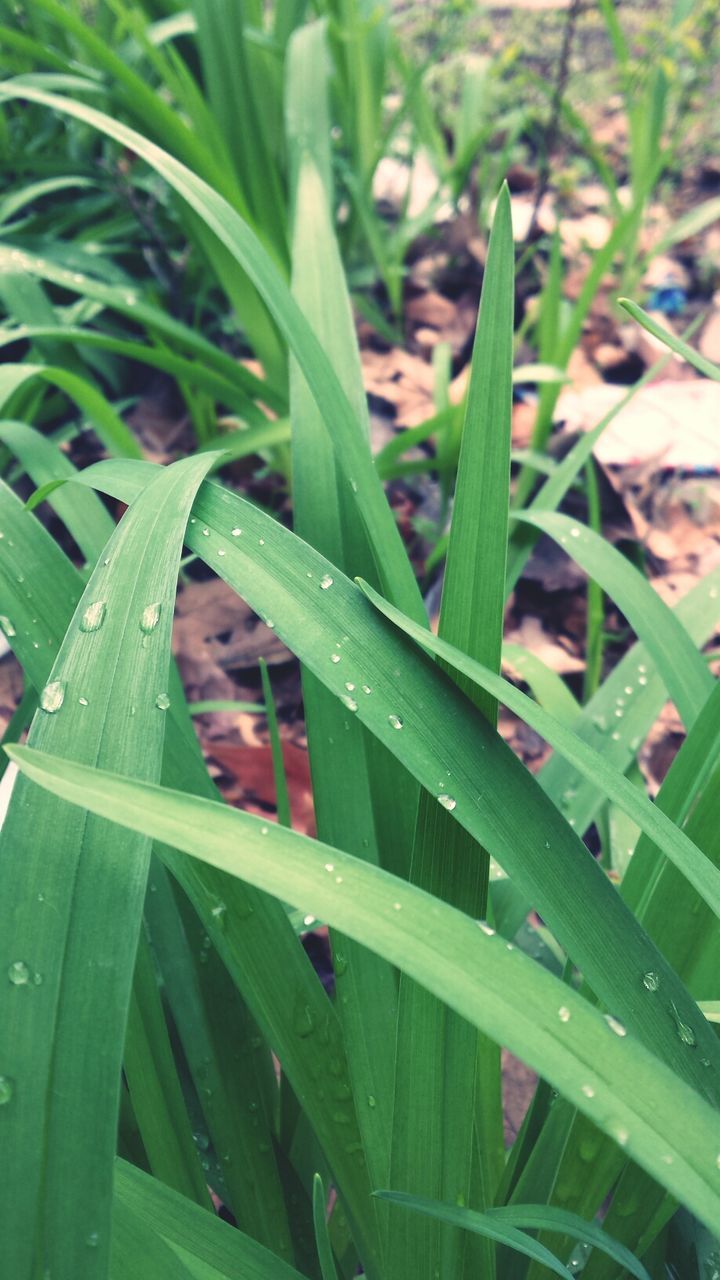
<point x="52" y="696"/>
<point x="19" y="974"/>
<point x="615" y="1025"/>
<point x="150" y="617"/>
<point x="447" y="802"/>
<point x="395" y="721"/>
<point x="94" y="616"/>
<point x="162" y="702"/>
<point x="325" y="582"/>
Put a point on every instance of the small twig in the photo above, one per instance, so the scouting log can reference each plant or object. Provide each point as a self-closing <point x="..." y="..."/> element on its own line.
<point x="561" y="80"/>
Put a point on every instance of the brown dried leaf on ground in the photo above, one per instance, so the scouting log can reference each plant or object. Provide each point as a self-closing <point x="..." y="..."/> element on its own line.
<point x="531" y="634"/>
<point x="215" y="633"/>
<point x="11" y="688"/>
<point x="247" y="780"/>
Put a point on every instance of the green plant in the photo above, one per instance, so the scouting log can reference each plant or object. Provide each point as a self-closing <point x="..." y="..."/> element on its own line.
<point x="165" y="1012"/>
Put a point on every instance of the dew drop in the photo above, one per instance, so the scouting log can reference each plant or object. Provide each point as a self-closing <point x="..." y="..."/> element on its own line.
<point x="206" y="533"/>
<point x="447" y="802"/>
<point x="261" y="542"/>
<point x="162" y="702"/>
<point x="83" y="702"/>
<point x="221" y="551"/>
<point x="325" y="582"/>
<point x="642" y="680"/>
<point x="264" y="831"/>
<point x="615" y="1025"/>
<point x="348" y="702"/>
<point x="304" y="1022"/>
<point x="651" y="980"/>
<point x="19" y="974"/>
<point x="588" y="1091"/>
<point x="366" y="688"/>
<point x="397" y="906"/>
<point x="338" y="879"/>
<point x="667" y="1159"/>
<point x="334" y="657"/>
<point x="564" y="1013"/>
<point x="329" y="866"/>
<point x="615" y="736"/>
<point x="6" y="1093"/>
<point x="485" y="928"/>
<point x="395" y="721"/>
<point x="52" y="696"/>
<point x="236" y="532"/>
<point x="574" y="532"/>
<point x="685" y="1032"/>
<point x="621" y="1137"/>
<point x="339" y="964"/>
<point x="92" y="1240"/>
<point x="94" y="616"/>
<point x="371" y="1101"/>
<point x="349" y="686"/>
<point x="308" y="921"/>
<point x="628" y="689"/>
<point x="7" y="626"/>
<point x="150" y="617"/>
<point x="218" y="912"/>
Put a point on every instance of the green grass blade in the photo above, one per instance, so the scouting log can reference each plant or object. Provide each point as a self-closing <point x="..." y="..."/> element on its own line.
<point x="224" y="223"/>
<point x="184" y="371"/>
<point x="154" y="1088"/>
<point x="478" y="1223"/>
<point x="440" y="731"/>
<point x="539" y="1217"/>
<point x="108" y="424"/>
<point x="129" y="302"/>
<point x="675" y="344"/>
<point x="281" y="788"/>
<point x="439" y="1057"/>
<point x="686" y="676"/>
<point x="322" y="1238"/>
<point x="230" y="1066"/>
<point x="89" y="522"/>
<point x="193" y="1234"/>
<point x="635" y="690"/>
<point x="632" y="1095"/>
<point x="704" y="877"/>
<point x="348" y="806"/>
<point x="81" y="909"/>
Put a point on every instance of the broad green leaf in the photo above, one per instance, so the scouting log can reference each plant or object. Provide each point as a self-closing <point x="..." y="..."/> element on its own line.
<point x="634" y="1097"/>
<point x="253" y="935"/>
<point x="70" y="922"/>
